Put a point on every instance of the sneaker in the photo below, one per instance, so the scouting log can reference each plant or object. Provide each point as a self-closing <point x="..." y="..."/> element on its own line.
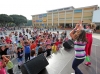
<point x="88" y="63"/>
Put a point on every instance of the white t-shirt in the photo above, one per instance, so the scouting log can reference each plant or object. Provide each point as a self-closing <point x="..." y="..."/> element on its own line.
<point x="32" y="57"/>
<point x="13" y="39"/>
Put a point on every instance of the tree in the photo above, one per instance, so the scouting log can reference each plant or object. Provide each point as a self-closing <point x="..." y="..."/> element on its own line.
<point x="29" y="23"/>
<point x="19" y="19"/>
<point x="5" y="19"/>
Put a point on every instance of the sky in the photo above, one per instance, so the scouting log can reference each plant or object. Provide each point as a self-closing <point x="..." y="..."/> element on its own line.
<point x="32" y="7"/>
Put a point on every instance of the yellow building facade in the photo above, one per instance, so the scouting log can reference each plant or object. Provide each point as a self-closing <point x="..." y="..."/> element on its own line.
<point x="64" y="17"/>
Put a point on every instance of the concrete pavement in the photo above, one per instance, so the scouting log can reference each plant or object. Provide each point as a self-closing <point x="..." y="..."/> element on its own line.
<point x="97" y="36"/>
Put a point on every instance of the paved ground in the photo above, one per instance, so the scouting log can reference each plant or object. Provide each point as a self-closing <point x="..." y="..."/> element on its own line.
<point x="97" y="36"/>
<point x="60" y="63"/>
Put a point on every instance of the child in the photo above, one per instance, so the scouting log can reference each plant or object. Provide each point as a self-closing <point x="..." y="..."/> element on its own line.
<point x="11" y="50"/>
<point x="80" y="43"/>
<point x="65" y="39"/>
<point x="32" y="54"/>
<point x="8" y="50"/>
<point x="19" y="44"/>
<point x="27" y="51"/>
<point x="48" y="50"/>
<point x="8" y="40"/>
<point x="20" y="56"/>
<point x="2" y="67"/>
<point x="37" y="48"/>
<point x="40" y="51"/>
<point x="33" y="45"/>
<point x="8" y="64"/>
<point x="57" y="43"/>
<point x="54" y="48"/>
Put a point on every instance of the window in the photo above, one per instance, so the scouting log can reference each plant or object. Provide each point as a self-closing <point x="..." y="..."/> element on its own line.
<point x="55" y="10"/>
<point x="67" y="8"/>
<point x="49" y="11"/>
<point x="37" y="20"/>
<point x="87" y="17"/>
<point x="78" y="11"/>
<point x="44" y="15"/>
<point x="40" y="16"/>
<point x="60" y="9"/>
<point x="98" y="27"/>
<point x="33" y="16"/>
<point x="55" y="13"/>
<point x="49" y="19"/>
<point x="69" y="18"/>
<point x="61" y="18"/>
<point x="40" y="20"/>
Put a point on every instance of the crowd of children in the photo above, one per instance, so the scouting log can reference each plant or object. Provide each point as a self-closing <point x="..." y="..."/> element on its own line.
<point x="28" y="44"/>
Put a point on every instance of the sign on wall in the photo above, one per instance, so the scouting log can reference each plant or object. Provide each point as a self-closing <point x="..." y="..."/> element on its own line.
<point x="78" y="11"/>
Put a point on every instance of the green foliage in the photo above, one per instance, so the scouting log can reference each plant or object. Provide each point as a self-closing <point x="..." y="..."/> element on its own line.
<point x="29" y="23"/>
<point x="19" y="19"/>
<point x="4" y="18"/>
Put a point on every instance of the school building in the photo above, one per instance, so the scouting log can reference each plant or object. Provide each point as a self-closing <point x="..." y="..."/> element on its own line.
<point x="64" y="17"/>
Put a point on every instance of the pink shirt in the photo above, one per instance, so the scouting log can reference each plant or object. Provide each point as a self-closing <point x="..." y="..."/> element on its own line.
<point x="48" y="42"/>
<point x="2" y="71"/>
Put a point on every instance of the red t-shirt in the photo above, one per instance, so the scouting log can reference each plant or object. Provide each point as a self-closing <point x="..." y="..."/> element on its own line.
<point x="57" y="43"/>
<point x="8" y="40"/>
<point x="33" y="46"/>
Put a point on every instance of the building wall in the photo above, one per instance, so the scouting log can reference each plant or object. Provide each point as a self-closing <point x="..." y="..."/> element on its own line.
<point x="54" y="19"/>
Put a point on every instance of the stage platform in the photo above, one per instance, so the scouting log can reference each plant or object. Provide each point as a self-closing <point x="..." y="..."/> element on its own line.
<point x="61" y="62"/>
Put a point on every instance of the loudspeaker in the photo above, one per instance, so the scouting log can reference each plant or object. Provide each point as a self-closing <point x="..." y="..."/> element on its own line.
<point x="68" y="44"/>
<point x="35" y="65"/>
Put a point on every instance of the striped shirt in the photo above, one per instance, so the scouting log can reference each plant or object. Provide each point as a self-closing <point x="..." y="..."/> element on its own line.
<point x="79" y="50"/>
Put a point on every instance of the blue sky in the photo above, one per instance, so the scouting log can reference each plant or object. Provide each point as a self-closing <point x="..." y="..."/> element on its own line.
<point x="32" y="7"/>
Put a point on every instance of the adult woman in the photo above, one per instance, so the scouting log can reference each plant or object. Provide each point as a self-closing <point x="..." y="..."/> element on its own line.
<point x="80" y="42"/>
<point x="89" y="30"/>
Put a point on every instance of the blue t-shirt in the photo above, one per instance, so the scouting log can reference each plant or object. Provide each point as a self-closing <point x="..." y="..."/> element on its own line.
<point x="27" y="49"/>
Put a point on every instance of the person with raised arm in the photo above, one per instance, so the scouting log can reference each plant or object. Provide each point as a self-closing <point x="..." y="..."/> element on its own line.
<point x="89" y="31"/>
<point x="80" y="41"/>
<point x="8" y="63"/>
